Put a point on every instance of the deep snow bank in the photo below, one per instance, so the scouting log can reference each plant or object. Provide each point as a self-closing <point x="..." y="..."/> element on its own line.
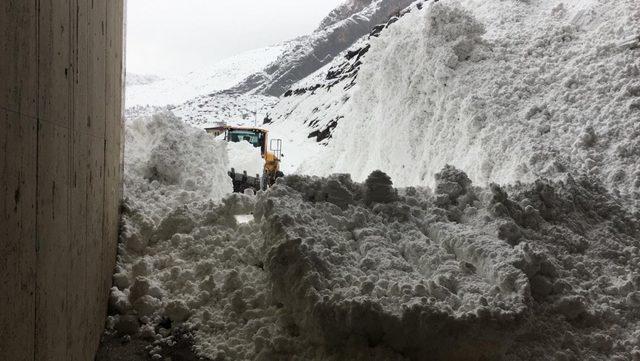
<point x="336" y="270"/>
<point x="509" y="91"/>
<point x="169" y="163"/>
<point x="540" y="271"/>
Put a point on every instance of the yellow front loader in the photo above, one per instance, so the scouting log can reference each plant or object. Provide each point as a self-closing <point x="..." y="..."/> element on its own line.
<point x="272" y="156"/>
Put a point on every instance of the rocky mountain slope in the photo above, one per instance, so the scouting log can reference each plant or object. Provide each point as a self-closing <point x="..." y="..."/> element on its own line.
<point x="338" y="31"/>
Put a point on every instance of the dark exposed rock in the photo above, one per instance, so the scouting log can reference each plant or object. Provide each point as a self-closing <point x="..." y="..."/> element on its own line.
<point x="323" y="134"/>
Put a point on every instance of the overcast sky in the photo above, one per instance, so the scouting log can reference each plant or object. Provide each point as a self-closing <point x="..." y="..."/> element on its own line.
<point x="168" y="37"/>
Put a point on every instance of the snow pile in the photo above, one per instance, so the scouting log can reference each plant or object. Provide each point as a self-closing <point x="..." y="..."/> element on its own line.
<point x="331" y="269"/>
<point x="509" y="91"/>
<point x="175" y="256"/>
<point x="200" y="277"/>
<point x="525" y="273"/>
<point x="391" y="275"/>
<point x="187" y="272"/>
<point x="244" y="157"/>
<point x="168" y="163"/>
<point x="308" y="113"/>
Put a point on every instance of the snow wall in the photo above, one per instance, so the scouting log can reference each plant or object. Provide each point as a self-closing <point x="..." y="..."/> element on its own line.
<point x="61" y="73"/>
<point x="506" y="90"/>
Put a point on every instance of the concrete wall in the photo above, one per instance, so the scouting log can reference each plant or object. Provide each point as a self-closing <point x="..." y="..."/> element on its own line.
<point x="61" y="65"/>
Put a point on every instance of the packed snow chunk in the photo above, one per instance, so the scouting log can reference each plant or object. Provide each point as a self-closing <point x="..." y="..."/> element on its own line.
<point x="243" y="218"/>
<point x="244" y="157"/>
<point x="136" y="231"/>
<point x="179" y="221"/>
<point x="452" y="183"/>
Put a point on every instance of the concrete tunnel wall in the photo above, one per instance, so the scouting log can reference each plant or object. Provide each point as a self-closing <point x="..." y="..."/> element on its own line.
<point x="61" y="66"/>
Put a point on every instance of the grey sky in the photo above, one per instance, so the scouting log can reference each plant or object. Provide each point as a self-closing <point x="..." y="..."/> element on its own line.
<point x="169" y="37"/>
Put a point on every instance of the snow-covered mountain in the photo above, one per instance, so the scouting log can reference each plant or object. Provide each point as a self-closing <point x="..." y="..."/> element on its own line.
<point x="134" y="80"/>
<point x="232" y="109"/>
<point x="508" y="91"/>
<point x="151" y="90"/>
<point x="234" y="90"/>
<point x="338" y="31"/>
<point x="308" y="112"/>
<point x="343" y="12"/>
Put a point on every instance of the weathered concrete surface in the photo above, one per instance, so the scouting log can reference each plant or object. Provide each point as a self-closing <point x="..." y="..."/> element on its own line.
<point x="61" y="67"/>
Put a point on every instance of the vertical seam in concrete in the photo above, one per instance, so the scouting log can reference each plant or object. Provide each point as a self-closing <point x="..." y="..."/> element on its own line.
<point x="36" y="240"/>
<point x="123" y="91"/>
<point x="75" y="74"/>
<point x="105" y="156"/>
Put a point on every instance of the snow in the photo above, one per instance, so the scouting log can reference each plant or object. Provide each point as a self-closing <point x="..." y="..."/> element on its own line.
<point x="220" y="76"/>
<point x="244" y="157"/>
<point x="231" y="109"/>
<point x="307" y="54"/>
<point x="211" y="110"/>
<point x="465" y="188"/>
<point x="509" y="94"/>
<point x="330" y="269"/>
<point x="243" y="218"/>
<point x="141" y="79"/>
<point x="168" y="163"/>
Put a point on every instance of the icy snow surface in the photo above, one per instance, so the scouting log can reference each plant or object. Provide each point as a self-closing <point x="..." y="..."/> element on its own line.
<point x="507" y="90"/>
